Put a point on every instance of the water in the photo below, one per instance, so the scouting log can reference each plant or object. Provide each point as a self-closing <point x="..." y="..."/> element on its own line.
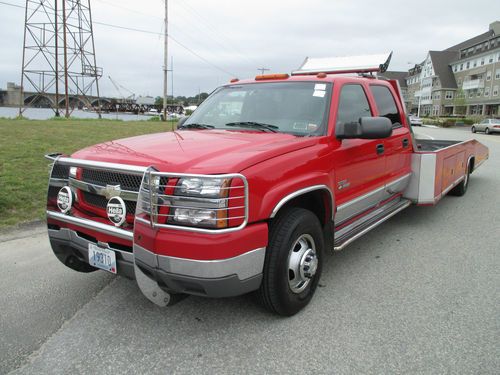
<point x="46" y="113"/>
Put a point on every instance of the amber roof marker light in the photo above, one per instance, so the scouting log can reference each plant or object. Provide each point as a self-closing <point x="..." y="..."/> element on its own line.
<point x="233" y="80"/>
<point x="264" y="77"/>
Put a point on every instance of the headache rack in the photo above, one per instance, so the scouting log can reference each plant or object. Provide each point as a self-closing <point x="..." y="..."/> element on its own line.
<point x="363" y="64"/>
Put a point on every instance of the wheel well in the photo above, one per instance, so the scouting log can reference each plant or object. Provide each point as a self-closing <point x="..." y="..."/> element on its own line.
<point x="471" y="165"/>
<point x="318" y="202"/>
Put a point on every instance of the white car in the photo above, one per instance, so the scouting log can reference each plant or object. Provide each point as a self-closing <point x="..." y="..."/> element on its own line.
<point x="415" y="120"/>
<point x="489" y="125"/>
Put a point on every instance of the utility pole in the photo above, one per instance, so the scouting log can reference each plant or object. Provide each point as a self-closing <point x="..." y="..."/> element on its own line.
<point x="262" y="70"/>
<point x="56" y="31"/>
<point x="165" y="64"/>
<point x="172" y="77"/>
<point x="66" y="95"/>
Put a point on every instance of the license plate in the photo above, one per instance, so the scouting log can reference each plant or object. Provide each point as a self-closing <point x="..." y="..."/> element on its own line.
<point x="102" y="258"/>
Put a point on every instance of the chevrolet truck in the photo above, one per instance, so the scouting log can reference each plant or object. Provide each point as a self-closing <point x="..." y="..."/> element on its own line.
<point x="255" y="188"/>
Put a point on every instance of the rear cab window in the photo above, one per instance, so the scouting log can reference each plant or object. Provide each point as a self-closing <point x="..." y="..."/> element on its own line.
<point x="386" y="105"/>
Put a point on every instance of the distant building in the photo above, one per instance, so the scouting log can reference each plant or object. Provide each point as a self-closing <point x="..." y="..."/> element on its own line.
<point x="401" y="77"/>
<point x="463" y="79"/>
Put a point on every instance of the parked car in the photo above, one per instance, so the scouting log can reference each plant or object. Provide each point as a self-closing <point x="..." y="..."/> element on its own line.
<point x="415" y="120"/>
<point x="253" y="201"/>
<point x="489" y="125"/>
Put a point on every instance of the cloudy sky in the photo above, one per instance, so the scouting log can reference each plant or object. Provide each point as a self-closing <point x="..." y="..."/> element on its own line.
<point x="233" y="38"/>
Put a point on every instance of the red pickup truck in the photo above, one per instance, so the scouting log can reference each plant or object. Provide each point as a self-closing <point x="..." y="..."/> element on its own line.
<point x="252" y="191"/>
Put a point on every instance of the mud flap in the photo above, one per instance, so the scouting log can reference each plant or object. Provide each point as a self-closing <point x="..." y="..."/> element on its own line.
<point x="151" y="289"/>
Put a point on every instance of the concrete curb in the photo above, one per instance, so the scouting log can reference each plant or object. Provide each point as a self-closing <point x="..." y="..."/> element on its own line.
<point x="23" y="229"/>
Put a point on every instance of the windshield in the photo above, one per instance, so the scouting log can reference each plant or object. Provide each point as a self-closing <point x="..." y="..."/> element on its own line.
<point x="299" y="108"/>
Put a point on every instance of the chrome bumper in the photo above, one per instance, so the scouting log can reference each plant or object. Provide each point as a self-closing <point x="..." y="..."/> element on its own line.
<point x="93" y="225"/>
<point x="211" y="278"/>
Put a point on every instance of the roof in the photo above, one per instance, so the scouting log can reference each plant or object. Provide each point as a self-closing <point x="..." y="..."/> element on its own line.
<point x="400" y="76"/>
<point x="441" y="63"/>
<point x="472" y="41"/>
<point x="332" y="78"/>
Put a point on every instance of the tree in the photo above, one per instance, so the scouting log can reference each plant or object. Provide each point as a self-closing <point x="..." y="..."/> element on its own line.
<point x="459" y="102"/>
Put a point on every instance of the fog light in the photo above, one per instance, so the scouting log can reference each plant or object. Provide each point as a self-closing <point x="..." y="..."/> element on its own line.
<point x="65" y="199"/>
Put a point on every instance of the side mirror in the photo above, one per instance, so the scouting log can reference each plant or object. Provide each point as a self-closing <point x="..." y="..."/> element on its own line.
<point x="366" y="128"/>
<point x="181" y="121"/>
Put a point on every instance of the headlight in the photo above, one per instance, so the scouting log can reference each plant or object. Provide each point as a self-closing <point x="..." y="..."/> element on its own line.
<point x="202" y="187"/>
<point x="188" y="209"/>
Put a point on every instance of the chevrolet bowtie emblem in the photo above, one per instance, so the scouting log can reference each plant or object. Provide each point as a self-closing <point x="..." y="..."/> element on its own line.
<point x="111" y="191"/>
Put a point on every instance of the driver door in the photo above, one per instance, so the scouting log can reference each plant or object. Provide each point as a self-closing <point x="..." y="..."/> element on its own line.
<point x="360" y="163"/>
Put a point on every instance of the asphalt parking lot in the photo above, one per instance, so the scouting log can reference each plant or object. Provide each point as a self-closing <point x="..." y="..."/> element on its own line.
<point x="420" y="294"/>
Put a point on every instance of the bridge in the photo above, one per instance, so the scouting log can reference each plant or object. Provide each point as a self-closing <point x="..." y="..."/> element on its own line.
<point x="12" y="98"/>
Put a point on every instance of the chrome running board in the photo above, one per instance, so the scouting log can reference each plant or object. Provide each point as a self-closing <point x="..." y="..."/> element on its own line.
<point x="353" y="231"/>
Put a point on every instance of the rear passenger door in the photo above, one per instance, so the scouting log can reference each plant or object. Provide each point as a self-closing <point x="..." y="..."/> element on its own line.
<point x="360" y="164"/>
<point x="398" y="147"/>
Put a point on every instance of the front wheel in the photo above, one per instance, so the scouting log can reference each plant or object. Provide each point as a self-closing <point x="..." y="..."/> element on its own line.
<point x="294" y="261"/>
<point x="473" y="129"/>
<point x="487" y="131"/>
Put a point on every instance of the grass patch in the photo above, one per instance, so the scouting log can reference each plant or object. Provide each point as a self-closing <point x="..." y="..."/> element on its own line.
<point x="24" y="170"/>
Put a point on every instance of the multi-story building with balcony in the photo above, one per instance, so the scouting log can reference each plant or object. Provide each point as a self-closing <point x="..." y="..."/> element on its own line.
<point x="463" y="79"/>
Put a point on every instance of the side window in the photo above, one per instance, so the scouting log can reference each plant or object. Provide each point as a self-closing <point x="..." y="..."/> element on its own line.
<point x="385" y="104"/>
<point x="353" y="104"/>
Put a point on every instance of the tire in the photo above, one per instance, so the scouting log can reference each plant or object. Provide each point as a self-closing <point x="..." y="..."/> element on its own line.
<point x="295" y="249"/>
<point x="473" y="129"/>
<point x="487" y="130"/>
<point x="461" y="188"/>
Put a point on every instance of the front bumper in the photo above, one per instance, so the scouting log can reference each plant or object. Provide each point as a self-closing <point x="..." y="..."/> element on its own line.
<point x="212" y="278"/>
<point x="228" y="277"/>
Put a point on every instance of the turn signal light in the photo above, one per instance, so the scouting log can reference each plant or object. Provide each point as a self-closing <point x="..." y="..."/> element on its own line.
<point x="264" y="77"/>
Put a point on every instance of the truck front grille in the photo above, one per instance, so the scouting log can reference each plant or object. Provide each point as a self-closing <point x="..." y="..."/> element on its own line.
<point x="101" y="201"/>
<point x="103" y="178"/>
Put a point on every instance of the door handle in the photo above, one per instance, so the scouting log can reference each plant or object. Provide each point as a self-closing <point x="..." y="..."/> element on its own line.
<point x="405" y="142"/>
<point x="380" y="148"/>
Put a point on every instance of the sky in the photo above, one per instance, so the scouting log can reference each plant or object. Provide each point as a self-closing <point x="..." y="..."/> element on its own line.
<point x="214" y="41"/>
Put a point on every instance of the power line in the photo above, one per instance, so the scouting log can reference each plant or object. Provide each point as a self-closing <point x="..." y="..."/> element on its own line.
<point x="215" y="38"/>
<point x="151" y="33"/>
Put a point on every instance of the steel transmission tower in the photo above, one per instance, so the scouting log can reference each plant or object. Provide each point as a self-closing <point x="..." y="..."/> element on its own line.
<point x="59" y="62"/>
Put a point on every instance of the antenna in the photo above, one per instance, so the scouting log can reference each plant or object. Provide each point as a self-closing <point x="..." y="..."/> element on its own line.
<point x="58" y="48"/>
<point x="262" y="70"/>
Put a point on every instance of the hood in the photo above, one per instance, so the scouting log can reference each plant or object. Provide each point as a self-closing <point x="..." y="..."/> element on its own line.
<point x="197" y="151"/>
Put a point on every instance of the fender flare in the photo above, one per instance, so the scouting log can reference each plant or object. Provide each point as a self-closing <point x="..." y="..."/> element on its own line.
<point x="303" y="191"/>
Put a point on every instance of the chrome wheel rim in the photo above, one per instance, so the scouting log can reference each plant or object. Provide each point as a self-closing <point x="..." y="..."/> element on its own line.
<point x="302" y="263"/>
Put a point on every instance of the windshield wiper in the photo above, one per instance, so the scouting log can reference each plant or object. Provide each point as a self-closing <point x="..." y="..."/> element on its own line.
<point x="255" y="125"/>
<point x="196" y="126"/>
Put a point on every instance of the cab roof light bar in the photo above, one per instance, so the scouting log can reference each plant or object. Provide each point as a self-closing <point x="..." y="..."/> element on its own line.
<point x="265" y="77"/>
<point x="346" y="64"/>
